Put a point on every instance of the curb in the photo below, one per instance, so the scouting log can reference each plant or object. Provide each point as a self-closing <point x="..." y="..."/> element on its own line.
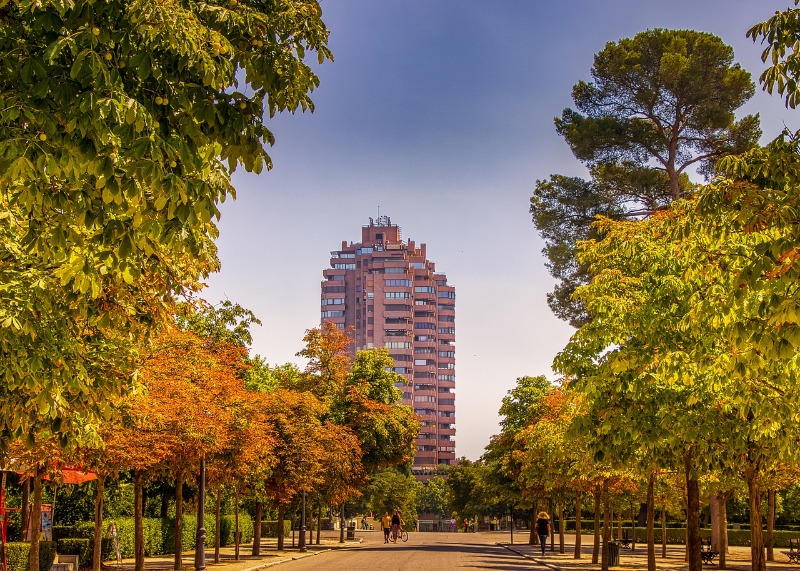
<point x="531" y="557"/>
<point x="297" y="557"/>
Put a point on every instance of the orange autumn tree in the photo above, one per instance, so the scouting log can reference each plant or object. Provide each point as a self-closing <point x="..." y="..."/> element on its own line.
<point x="300" y="447"/>
<point x="194" y="388"/>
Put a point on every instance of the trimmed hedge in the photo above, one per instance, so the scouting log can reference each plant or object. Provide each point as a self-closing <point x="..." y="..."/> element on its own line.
<point x="227" y="526"/>
<point x="270" y="528"/>
<point x="159" y="535"/>
<point x="83" y="548"/>
<point x="739" y="537"/>
<point x="18" y="555"/>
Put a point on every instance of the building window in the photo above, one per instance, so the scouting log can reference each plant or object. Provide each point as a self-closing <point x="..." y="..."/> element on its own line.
<point x="417" y="265"/>
<point x="332" y="314"/>
<point x="424" y="338"/>
<point x="447" y="377"/>
<point x="424" y="398"/>
<point x="449" y="318"/>
<point x="449" y="294"/>
<point x="397" y="294"/>
<point x="397" y="283"/>
<point x="447" y="330"/>
<point x="344" y="266"/>
<point x="394" y="270"/>
<point x="425" y="289"/>
<point x="398" y="345"/>
<point x="333" y="301"/>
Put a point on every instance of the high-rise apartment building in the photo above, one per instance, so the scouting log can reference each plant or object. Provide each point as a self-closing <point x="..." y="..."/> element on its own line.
<point x="392" y="296"/>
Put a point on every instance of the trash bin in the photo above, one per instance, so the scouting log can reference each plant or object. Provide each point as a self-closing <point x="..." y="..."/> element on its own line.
<point x="351" y="531"/>
<point x="613" y="553"/>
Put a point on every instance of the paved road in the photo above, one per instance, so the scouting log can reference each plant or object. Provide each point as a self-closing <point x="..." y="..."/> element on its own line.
<point x="424" y="551"/>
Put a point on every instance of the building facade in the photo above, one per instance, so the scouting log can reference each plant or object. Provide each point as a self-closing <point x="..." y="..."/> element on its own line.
<point x="391" y="296"/>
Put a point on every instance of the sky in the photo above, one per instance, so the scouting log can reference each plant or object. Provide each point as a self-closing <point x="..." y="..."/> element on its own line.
<point x="439" y="114"/>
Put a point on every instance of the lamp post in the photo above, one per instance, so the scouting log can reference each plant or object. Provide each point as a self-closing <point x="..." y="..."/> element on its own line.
<point x="302" y="542"/>
<point x="200" y="538"/>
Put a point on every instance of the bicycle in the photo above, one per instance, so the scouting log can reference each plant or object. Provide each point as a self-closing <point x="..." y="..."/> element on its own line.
<point x="402" y="535"/>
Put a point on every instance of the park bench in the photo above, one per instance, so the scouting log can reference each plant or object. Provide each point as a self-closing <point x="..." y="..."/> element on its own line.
<point x="794" y="551"/>
<point x="708" y="554"/>
<point x="625" y="541"/>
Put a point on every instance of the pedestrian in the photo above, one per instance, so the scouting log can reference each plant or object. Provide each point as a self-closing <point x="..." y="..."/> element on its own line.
<point x="466" y="525"/>
<point x="386" y="526"/>
<point x="452" y="524"/>
<point x="543" y="528"/>
<point x="395" y="525"/>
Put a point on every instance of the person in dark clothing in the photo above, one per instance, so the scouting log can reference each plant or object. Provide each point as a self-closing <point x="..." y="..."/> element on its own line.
<point x="395" y="525"/>
<point x="543" y="529"/>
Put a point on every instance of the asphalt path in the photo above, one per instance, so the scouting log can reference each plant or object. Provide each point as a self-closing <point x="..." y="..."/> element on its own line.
<point x="423" y="551"/>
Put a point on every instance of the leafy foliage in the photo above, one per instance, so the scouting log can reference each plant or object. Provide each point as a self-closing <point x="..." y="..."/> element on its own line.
<point x="120" y="125"/>
<point x="659" y="103"/>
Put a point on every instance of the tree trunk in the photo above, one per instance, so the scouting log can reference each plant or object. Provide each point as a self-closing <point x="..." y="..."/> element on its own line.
<point x="237" y="534"/>
<point x="26" y="507"/>
<point x="693" y="544"/>
<point x="281" y="517"/>
<point x="596" y="546"/>
<point x="178" y="561"/>
<point x="257" y="529"/>
<point x="217" y="522"/>
<point x="651" y="523"/>
<point x="97" y="555"/>
<point x="722" y="529"/>
<point x="663" y="531"/>
<point x="713" y="505"/>
<point x="138" y="527"/>
<point x="36" y="520"/>
<point x="341" y="525"/>
<point x="164" y="505"/>
<point x="770" y="525"/>
<point x="561" y="525"/>
<point x="757" y="559"/>
<point x="607" y="524"/>
<point x="319" y="520"/>
<point x="533" y="538"/>
<point x="578" y="497"/>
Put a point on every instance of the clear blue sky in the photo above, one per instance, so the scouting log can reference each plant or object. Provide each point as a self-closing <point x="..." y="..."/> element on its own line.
<point x="440" y="112"/>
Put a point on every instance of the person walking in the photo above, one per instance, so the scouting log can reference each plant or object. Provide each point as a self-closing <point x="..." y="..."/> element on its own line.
<point x="543" y="529"/>
<point x="386" y="526"/>
<point x="395" y="525"/>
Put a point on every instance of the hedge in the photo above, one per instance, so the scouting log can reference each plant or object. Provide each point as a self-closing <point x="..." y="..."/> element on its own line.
<point x="159" y="535"/>
<point x="83" y="548"/>
<point x="18" y="555"/>
<point x="739" y="537"/>
<point x="270" y="528"/>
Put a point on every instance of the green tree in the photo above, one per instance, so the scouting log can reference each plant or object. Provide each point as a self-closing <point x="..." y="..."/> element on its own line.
<point x="780" y="34"/>
<point x="432" y="497"/>
<point x="120" y="125"/>
<point x="390" y="490"/>
<point x="658" y="104"/>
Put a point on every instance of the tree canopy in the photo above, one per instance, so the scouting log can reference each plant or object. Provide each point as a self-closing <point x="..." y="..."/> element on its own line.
<point x="120" y="125"/>
<point x="659" y="104"/>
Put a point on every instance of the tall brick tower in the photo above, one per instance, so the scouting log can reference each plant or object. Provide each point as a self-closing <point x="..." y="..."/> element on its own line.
<point x="392" y="296"/>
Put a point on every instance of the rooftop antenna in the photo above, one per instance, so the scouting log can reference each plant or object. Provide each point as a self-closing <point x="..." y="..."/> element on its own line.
<point x="379" y="211"/>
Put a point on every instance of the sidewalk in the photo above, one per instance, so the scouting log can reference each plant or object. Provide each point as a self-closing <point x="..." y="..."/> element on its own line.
<point x="269" y="557"/>
<point x="738" y="558"/>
